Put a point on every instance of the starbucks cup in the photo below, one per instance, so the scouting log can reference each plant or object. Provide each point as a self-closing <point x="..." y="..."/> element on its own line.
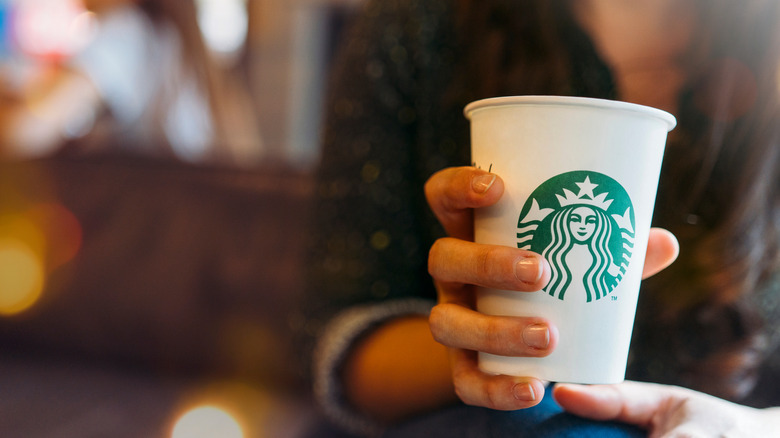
<point x="580" y="179"/>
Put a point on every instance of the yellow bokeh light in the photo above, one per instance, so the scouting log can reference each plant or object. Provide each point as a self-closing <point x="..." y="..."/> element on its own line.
<point x="21" y="229"/>
<point x="207" y="422"/>
<point x="21" y="277"/>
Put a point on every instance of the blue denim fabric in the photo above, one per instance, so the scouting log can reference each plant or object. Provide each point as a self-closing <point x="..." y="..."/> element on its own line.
<point x="545" y="420"/>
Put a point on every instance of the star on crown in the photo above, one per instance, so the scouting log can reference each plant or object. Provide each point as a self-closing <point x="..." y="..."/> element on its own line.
<point x="585" y="196"/>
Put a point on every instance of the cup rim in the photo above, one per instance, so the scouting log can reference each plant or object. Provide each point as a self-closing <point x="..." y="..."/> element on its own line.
<point x="668" y="118"/>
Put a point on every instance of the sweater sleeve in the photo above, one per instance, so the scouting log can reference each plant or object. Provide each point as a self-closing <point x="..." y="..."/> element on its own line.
<point x="334" y="344"/>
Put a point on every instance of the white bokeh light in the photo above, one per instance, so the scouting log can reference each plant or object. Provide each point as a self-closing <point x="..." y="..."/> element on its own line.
<point x="52" y="27"/>
<point x="224" y="24"/>
<point x="207" y="422"/>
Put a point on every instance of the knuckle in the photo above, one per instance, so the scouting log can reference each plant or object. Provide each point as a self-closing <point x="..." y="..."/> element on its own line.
<point x="492" y="395"/>
<point x="490" y="335"/>
<point x="438" y="187"/>
<point x="429" y="190"/>
<point x="436" y="322"/>
<point x="458" y="383"/>
<point x="494" y="337"/>
<point x="460" y="390"/>
<point x="434" y="255"/>
<point x="490" y="401"/>
<point x="464" y="390"/>
<point x="487" y="261"/>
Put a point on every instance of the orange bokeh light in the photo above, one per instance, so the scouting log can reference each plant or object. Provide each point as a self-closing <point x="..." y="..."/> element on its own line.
<point x="62" y="231"/>
<point x="22" y="276"/>
<point x="33" y="243"/>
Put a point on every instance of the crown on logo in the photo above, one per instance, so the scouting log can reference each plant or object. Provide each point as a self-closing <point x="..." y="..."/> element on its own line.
<point x="585" y="196"/>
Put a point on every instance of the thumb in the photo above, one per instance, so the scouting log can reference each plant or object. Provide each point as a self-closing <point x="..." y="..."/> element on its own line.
<point x="662" y="251"/>
<point x="628" y="402"/>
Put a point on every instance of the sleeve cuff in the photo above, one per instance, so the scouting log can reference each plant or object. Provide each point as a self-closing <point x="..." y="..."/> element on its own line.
<point x="332" y="348"/>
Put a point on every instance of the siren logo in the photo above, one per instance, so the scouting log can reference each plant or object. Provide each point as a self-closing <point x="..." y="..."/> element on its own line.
<point x="583" y="223"/>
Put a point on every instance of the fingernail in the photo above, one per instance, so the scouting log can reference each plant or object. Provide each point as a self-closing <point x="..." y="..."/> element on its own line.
<point x="537" y="336"/>
<point x="524" y="392"/>
<point x="482" y="183"/>
<point x="528" y="270"/>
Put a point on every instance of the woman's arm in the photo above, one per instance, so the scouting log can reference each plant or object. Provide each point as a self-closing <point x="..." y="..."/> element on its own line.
<point x="399" y="370"/>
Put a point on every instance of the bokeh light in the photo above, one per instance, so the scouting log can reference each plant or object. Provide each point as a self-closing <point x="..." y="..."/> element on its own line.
<point x="62" y="231"/>
<point x="52" y="28"/>
<point x="22" y="263"/>
<point x="258" y="412"/>
<point x="22" y="276"/>
<point x="34" y="241"/>
<point x="224" y="24"/>
<point x="207" y="422"/>
<point x="20" y="226"/>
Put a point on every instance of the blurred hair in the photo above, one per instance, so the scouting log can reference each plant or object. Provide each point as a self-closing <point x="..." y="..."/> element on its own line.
<point x="720" y="186"/>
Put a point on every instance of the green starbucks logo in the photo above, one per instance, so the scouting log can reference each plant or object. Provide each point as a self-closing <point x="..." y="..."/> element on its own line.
<point x="582" y="222"/>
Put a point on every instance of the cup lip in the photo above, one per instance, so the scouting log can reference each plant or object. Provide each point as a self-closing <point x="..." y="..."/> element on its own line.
<point x="668" y="118"/>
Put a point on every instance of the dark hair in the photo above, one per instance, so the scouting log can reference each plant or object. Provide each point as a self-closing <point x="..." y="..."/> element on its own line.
<point x="720" y="189"/>
<point x="527" y="47"/>
<point x="720" y="194"/>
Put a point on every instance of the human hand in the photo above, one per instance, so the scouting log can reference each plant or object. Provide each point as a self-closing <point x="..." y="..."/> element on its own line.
<point x="457" y="265"/>
<point x="667" y="411"/>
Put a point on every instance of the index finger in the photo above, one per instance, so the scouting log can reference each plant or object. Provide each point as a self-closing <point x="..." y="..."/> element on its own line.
<point x="452" y="193"/>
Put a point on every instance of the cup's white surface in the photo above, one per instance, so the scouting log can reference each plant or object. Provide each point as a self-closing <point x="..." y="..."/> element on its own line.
<point x="580" y="180"/>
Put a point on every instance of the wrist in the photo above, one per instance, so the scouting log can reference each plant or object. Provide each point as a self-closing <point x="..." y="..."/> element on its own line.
<point x="336" y="346"/>
<point x="398" y="370"/>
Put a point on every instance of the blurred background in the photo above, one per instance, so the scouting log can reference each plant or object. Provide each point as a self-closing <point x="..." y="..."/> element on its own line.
<point x="156" y="162"/>
<point x="271" y="56"/>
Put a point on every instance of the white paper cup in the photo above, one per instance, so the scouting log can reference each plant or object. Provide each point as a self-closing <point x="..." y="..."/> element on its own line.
<point x="580" y="178"/>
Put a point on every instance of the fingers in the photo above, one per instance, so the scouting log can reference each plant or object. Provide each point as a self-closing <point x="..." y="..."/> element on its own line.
<point x="492" y="391"/>
<point x="628" y="402"/>
<point x="499" y="267"/>
<point x="453" y="192"/>
<point x="456" y="326"/>
<point x="512" y="269"/>
<point x="662" y="251"/>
